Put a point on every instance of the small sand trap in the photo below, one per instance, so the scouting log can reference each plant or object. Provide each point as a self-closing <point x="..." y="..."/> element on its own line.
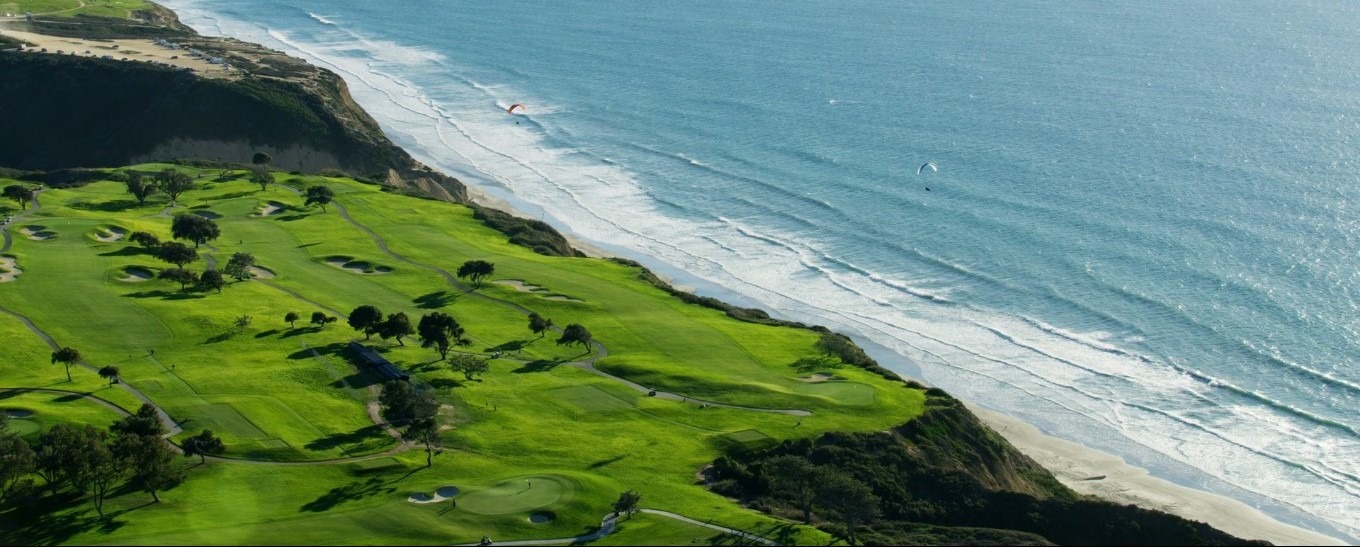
<point x="818" y="377"/>
<point x="442" y="494"/>
<point x="9" y="269"/>
<point x="259" y="272"/>
<point x="356" y="266"/>
<point x="520" y="285"/>
<point x="561" y="298"/>
<point x="542" y="518"/>
<point x="109" y="234"/>
<point x="136" y="274"/>
<point x="37" y="233"/>
<point x="271" y="208"/>
<point x="207" y="214"/>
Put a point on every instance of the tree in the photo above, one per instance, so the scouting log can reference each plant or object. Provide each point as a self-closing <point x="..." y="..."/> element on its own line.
<point x="319" y="195"/>
<point x="441" y="331"/>
<point x="203" y="444"/>
<point x="238" y="267"/>
<point x="261" y="158"/>
<point x="17" y="462"/>
<point x="20" y="194"/>
<point x="181" y="275"/>
<point x="396" y="326"/>
<point x="260" y="174"/>
<point x="575" y="334"/>
<point x="469" y="365"/>
<point x="477" y="270"/>
<point x="366" y="318"/>
<point x="833" y="345"/>
<point x="539" y="324"/>
<point x="146" y="421"/>
<point x="151" y="460"/>
<point x="147" y="240"/>
<point x="60" y="455"/>
<point x="67" y="357"/>
<point x="242" y="322"/>
<point x="627" y="503"/>
<point x="139" y="187"/>
<point x="291" y="317"/>
<point x="176" y="253"/>
<point x="796" y="478"/>
<point x="320" y="319"/>
<point x="212" y="280"/>
<point x="425" y="432"/>
<point x="102" y="469"/>
<point x="109" y="373"/>
<point x="196" y="228"/>
<point x="174" y="183"/>
<point x="849" y="498"/>
<point x="402" y="402"/>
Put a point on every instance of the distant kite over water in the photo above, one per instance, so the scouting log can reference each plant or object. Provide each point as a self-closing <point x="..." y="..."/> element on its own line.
<point x="512" y="108"/>
<point x="929" y="164"/>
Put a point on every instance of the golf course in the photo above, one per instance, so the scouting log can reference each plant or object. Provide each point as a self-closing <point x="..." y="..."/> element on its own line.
<point x="538" y="447"/>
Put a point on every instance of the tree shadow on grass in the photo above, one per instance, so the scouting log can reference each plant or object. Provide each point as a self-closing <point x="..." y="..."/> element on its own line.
<point x="333" y="348"/>
<point x="435" y="300"/>
<point x="112" y="206"/>
<point x="266" y="334"/>
<point x="219" y="338"/>
<point x="43" y="523"/>
<point x="130" y="250"/>
<point x="444" y="383"/>
<point x="350" y="492"/>
<point x="165" y="295"/>
<point x="299" y="331"/>
<point x="814" y="364"/>
<point x="229" y="195"/>
<point x="511" y="346"/>
<point x="344" y="440"/>
<point x="358" y="380"/>
<point x="606" y="461"/>
<point x="290" y="218"/>
<point x="541" y="365"/>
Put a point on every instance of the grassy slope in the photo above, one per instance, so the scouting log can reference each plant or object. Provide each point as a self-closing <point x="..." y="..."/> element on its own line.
<point x="271" y="398"/>
<point x="71" y="8"/>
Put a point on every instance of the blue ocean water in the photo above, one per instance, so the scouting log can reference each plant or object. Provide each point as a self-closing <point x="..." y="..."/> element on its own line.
<point x="1142" y="234"/>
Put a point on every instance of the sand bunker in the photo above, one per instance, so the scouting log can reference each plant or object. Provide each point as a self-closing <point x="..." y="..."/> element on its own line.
<point x="819" y="377"/>
<point x="563" y="298"/>
<point x="259" y="272"/>
<point x="109" y="234"/>
<point x="37" y="233"/>
<point x="271" y="208"/>
<point x="356" y="266"/>
<point x="442" y="494"/>
<point x="136" y="274"/>
<point x="207" y="214"/>
<point x="9" y="269"/>
<point x="520" y="285"/>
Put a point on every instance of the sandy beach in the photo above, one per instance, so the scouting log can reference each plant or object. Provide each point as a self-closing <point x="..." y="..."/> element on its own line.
<point x="1075" y="464"/>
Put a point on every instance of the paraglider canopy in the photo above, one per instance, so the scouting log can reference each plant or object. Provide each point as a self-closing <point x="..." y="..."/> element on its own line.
<point x="512" y="108"/>
<point x="923" y="167"/>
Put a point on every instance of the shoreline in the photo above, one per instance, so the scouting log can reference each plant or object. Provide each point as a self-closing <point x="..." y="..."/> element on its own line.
<point x="1070" y="462"/>
<point x="1076" y="466"/>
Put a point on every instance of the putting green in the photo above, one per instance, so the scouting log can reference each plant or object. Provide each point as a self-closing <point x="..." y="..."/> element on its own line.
<point x="846" y="393"/>
<point x="517" y="495"/>
<point x="24" y="427"/>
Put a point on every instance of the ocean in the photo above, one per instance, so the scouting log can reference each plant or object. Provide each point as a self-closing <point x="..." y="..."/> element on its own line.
<point x="1142" y="231"/>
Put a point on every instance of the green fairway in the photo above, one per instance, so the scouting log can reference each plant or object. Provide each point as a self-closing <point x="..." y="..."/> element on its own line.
<point x="121" y="9"/>
<point x="539" y="433"/>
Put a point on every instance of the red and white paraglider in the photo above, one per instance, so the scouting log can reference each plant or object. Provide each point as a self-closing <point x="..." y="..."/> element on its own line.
<point x="512" y="108"/>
